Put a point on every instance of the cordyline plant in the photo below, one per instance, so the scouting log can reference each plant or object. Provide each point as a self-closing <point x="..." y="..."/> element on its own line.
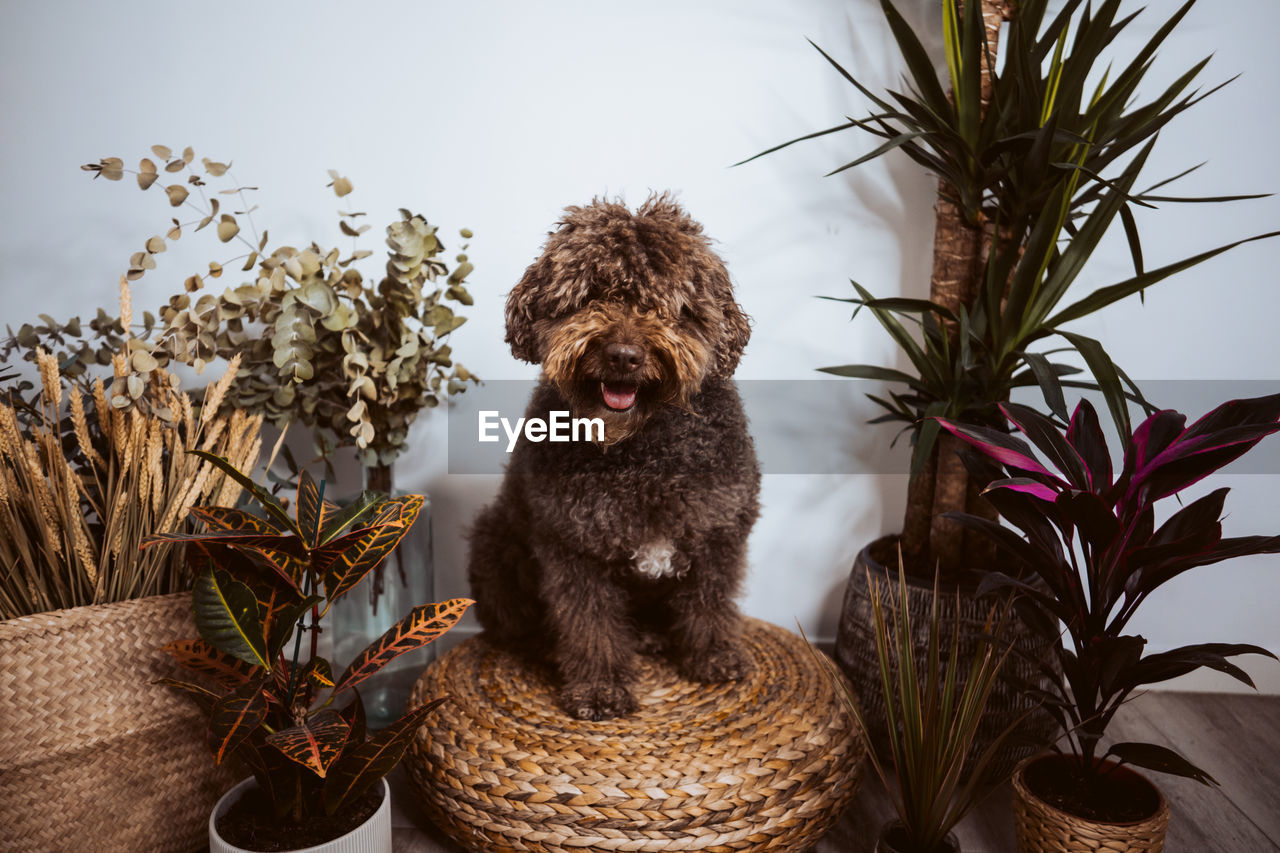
<point x="932" y="717"/>
<point x="1035" y="164"/>
<point x="352" y="358"/>
<point x="297" y="726"/>
<point x="1092" y="543"/>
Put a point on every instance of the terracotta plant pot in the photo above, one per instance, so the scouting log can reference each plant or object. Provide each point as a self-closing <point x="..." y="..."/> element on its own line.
<point x="856" y="653"/>
<point x="1043" y="828"/>
<point x="891" y="842"/>
<point x="372" y="836"/>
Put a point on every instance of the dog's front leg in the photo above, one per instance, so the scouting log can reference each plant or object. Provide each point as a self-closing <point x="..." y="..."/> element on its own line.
<point x="594" y="642"/>
<point x="706" y="624"/>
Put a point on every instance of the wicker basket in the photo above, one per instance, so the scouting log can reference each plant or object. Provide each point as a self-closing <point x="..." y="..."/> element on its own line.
<point x="1041" y="828"/>
<point x="856" y="653"/>
<point x="767" y="763"/>
<point x="92" y="755"/>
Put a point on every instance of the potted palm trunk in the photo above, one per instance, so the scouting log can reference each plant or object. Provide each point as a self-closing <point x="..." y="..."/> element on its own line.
<point x="293" y="720"/>
<point x="1087" y="534"/>
<point x="934" y="716"/>
<point x="1035" y="163"/>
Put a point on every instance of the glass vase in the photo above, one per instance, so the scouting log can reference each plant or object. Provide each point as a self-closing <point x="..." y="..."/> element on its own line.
<point x="405" y="580"/>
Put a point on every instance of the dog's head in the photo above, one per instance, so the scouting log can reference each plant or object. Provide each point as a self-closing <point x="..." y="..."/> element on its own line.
<point x="627" y="312"/>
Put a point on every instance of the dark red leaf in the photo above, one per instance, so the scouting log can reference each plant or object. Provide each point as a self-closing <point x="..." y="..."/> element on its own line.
<point x="1044" y="434"/>
<point x="361" y="767"/>
<point x="236" y="716"/>
<point x="316" y="743"/>
<point x="1086" y="436"/>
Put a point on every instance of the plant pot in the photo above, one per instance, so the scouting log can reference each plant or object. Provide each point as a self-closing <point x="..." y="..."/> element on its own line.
<point x="856" y="653"/>
<point x="372" y="836"/>
<point x="91" y="751"/>
<point x="1044" y="827"/>
<point x="890" y="841"/>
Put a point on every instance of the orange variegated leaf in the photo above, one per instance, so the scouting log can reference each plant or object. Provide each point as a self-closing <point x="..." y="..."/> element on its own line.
<point x="282" y="561"/>
<point x="318" y="672"/>
<point x="373" y="759"/>
<point x="421" y="626"/>
<point x="226" y="518"/>
<point x="346" y="560"/>
<point x="199" y="656"/>
<point x="316" y="743"/>
<point x="236" y="716"/>
<point x="314" y="512"/>
<point x="204" y="697"/>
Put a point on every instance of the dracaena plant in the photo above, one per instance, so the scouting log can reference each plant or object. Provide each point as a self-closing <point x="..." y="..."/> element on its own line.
<point x="1036" y="161"/>
<point x="933" y="708"/>
<point x="1089" y="536"/>
<point x="298" y="724"/>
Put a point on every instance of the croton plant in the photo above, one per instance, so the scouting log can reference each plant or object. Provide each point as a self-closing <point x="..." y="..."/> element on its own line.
<point x="1092" y="553"/>
<point x="298" y="727"/>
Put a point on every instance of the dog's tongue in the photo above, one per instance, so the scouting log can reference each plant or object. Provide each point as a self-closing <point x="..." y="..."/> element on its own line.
<point x="618" y="396"/>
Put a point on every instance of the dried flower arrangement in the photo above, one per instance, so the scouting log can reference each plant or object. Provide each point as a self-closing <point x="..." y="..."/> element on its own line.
<point x="352" y="358"/>
<point x="82" y="484"/>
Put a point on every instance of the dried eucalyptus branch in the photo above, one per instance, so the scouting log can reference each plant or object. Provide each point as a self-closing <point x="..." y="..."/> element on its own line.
<point x="352" y="358"/>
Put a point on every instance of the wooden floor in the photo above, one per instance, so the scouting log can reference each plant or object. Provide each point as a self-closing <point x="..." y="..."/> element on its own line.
<point x="1236" y="738"/>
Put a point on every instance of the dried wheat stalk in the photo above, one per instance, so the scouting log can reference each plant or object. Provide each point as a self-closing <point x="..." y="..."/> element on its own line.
<point x="81" y="490"/>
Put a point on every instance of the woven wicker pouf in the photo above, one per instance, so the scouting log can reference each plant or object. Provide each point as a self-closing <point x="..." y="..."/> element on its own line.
<point x="767" y="763"/>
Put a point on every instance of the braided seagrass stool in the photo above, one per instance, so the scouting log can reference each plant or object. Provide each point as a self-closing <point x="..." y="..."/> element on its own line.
<point x="767" y="763"/>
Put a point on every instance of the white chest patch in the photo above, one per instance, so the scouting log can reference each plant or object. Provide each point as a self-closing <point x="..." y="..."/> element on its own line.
<point x="653" y="559"/>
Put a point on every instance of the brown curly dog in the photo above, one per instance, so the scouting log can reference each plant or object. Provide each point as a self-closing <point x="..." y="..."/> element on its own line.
<point x="595" y="551"/>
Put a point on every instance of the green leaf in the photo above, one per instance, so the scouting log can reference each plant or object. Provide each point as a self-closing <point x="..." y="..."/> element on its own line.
<point x="226" y="614"/>
<point x="1050" y="384"/>
<point x="350" y="515"/>
<point x="1107" y="376"/>
<point x="870" y="371"/>
<point x="1160" y="759"/>
<point x="1114" y="293"/>
<point x="285" y="619"/>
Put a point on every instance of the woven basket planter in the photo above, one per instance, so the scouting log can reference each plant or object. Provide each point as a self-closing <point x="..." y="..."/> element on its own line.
<point x="767" y="763"/>
<point x="856" y="653"/>
<point x="1042" y="828"/>
<point x="92" y="755"/>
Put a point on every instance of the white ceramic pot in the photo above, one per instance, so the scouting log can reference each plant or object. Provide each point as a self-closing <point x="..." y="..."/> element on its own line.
<point x="372" y="836"/>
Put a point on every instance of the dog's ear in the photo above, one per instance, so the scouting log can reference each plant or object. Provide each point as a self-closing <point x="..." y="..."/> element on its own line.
<point x="521" y="306"/>
<point x="735" y="326"/>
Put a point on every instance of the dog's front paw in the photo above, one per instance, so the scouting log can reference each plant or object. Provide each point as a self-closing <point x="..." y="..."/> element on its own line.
<point x="597" y="701"/>
<point x="724" y="662"/>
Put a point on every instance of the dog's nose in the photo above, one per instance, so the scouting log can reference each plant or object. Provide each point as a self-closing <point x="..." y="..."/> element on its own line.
<point x="624" y="357"/>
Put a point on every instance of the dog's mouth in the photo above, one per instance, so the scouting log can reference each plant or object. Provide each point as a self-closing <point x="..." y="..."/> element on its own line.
<point x="619" y="396"/>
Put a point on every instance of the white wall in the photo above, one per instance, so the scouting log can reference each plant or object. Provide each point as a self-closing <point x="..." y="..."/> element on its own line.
<point x="496" y="115"/>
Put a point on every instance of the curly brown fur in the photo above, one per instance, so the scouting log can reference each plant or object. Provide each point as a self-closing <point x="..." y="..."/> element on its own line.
<point x="593" y="553"/>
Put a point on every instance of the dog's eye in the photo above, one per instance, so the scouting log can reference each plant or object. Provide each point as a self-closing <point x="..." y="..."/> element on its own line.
<point x="687" y="316"/>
